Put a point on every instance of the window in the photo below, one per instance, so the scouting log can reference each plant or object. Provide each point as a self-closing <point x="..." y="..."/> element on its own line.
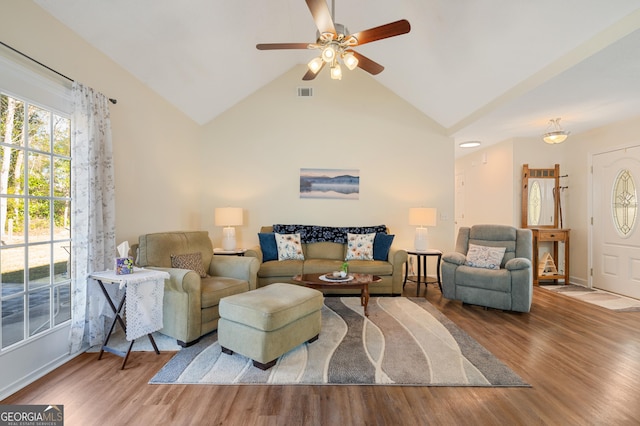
<point x="35" y="212"/>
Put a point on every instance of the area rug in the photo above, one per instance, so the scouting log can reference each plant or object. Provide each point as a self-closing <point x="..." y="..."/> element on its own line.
<point x="597" y="297"/>
<point x="404" y="341"/>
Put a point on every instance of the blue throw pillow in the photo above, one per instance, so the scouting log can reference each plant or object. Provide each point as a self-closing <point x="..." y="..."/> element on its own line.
<point x="381" y="245"/>
<point x="268" y="246"/>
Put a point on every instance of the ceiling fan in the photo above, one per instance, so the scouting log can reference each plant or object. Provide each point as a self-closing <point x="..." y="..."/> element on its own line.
<point x="334" y="41"/>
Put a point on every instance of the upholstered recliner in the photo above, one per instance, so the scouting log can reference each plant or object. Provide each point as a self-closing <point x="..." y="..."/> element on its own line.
<point x="509" y="288"/>
<point x="190" y="307"/>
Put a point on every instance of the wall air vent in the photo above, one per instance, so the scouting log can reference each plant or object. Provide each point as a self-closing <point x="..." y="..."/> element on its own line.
<point x="305" y="92"/>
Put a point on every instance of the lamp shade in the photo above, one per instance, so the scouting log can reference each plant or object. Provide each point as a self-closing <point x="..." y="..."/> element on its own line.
<point x="228" y="216"/>
<point x="350" y="60"/>
<point x="422" y="216"/>
<point x="336" y="72"/>
<point x="329" y="53"/>
<point x="315" y="64"/>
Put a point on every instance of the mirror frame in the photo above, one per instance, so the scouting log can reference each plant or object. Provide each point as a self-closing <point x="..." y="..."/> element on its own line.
<point x="527" y="174"/>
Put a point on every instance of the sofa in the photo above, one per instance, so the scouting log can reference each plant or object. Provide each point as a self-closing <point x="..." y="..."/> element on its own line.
<point x="490" y="267"/>
<point x="198" y="280"/>
<point x="324" y="249"/>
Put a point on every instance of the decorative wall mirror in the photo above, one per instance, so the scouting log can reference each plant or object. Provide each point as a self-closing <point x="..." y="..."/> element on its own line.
<point x="540" y="197"/>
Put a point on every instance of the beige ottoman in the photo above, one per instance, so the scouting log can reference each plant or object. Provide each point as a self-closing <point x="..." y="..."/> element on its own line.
<point x="265" y="323"/>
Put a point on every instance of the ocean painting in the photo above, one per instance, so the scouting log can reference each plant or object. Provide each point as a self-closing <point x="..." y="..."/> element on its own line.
<point x="343" y="184"/>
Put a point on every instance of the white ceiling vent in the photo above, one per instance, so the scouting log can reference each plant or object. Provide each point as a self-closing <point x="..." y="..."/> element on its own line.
<point x="305" y="92"/>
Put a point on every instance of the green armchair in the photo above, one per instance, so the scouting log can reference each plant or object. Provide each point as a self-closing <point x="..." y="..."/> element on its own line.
<point x="190" y="306"/>
<point x="509" y="288"/>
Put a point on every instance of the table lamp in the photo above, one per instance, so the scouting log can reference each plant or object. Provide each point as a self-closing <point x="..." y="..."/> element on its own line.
<point x="228" y="217"/>
<point x="422" y="217"/>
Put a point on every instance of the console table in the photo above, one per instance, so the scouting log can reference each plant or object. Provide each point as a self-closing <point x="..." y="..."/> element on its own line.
<point x="555" y="237"/>
<point x="144" y="290"/>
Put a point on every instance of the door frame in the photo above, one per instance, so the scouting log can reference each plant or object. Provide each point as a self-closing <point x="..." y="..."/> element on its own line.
<point x="590" y="229"/>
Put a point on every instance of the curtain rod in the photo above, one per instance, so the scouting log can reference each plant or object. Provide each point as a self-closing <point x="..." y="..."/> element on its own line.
<point x="112" y="100"/>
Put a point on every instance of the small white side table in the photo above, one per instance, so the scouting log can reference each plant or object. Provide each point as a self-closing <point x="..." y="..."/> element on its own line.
<point x="139" y="276"/>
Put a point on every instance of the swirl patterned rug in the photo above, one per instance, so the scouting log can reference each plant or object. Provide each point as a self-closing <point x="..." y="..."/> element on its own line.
<point x="405" y="341"/>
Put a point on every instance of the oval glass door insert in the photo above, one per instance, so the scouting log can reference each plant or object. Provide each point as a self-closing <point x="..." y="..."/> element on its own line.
<point x="535" y="201"/>
<point x="624" y="205"/>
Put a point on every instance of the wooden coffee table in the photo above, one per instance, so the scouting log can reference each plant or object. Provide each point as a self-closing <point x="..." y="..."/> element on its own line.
<point x="359" y="281"/>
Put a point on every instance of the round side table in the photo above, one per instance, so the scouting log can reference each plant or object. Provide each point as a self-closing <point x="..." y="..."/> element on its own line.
<point x="236" y="252"/>
<point x="422" y="265"/>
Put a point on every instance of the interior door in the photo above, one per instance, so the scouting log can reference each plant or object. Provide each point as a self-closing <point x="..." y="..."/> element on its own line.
<point x="616" y="239"/>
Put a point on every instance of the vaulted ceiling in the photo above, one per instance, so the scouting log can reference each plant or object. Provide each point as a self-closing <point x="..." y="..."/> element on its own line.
<point x="484" y="70"/>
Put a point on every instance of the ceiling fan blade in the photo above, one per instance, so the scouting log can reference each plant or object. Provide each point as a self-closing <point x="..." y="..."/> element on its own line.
<point x="310" y="75"/>
<point x="321" y="16"/>
<point x="391" y="29"/>
<point x="276" y="46"/>
<point x="367" y="64"/>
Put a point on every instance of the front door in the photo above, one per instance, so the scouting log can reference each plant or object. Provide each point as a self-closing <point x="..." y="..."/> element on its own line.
<point x="616" y="218"/>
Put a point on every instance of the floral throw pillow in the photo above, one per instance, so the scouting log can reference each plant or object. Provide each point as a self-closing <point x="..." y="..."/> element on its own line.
<point x="289" y="247"/>
<point x="360" y="246"/>
<point x="191" y="261"/>
<point x="484" y="257"/>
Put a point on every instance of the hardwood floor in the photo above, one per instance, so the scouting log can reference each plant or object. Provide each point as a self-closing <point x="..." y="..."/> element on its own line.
<point x="582" y="361"/>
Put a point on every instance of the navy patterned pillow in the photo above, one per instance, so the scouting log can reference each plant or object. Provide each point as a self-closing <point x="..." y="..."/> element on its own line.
<point x="317" y="234"/>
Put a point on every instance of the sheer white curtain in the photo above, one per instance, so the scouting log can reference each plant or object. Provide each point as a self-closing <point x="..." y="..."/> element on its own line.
<point x="93" y="213"/>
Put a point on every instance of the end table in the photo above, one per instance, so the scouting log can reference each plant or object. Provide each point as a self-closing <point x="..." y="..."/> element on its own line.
<point x="221" y="252"/>
<point x="422" y="264"/>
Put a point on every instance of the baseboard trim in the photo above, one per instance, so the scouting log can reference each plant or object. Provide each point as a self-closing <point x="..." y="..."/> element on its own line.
<point x="578" y="281"/>
<point x="35" y="375"/>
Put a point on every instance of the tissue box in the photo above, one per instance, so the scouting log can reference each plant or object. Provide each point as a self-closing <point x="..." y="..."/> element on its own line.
<point x="124" y="265"/>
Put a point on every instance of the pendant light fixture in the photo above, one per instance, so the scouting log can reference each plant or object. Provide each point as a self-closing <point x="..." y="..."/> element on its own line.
<point x="554" y="133"/>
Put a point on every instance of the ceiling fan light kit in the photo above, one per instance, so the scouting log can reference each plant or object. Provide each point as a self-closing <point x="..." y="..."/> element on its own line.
<point x="555" y="134"/>
<point x="334" y="46"/>
<point x="329" y="54"/>
<point x="336" y="72"/>
<point x="315" y="65"/>
<point x="350" y="60"/>
<point x="335" y="42"/>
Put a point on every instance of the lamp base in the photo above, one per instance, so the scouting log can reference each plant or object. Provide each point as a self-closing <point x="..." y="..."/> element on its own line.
<point x="421" y="241"/>
<point x="228" y="238"/>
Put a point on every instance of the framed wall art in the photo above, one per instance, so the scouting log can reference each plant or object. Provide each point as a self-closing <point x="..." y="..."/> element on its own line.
<point x="341" y="184"/>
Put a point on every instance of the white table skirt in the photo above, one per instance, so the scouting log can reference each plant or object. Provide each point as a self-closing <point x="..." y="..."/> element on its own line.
<point x="144" y="294"/>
